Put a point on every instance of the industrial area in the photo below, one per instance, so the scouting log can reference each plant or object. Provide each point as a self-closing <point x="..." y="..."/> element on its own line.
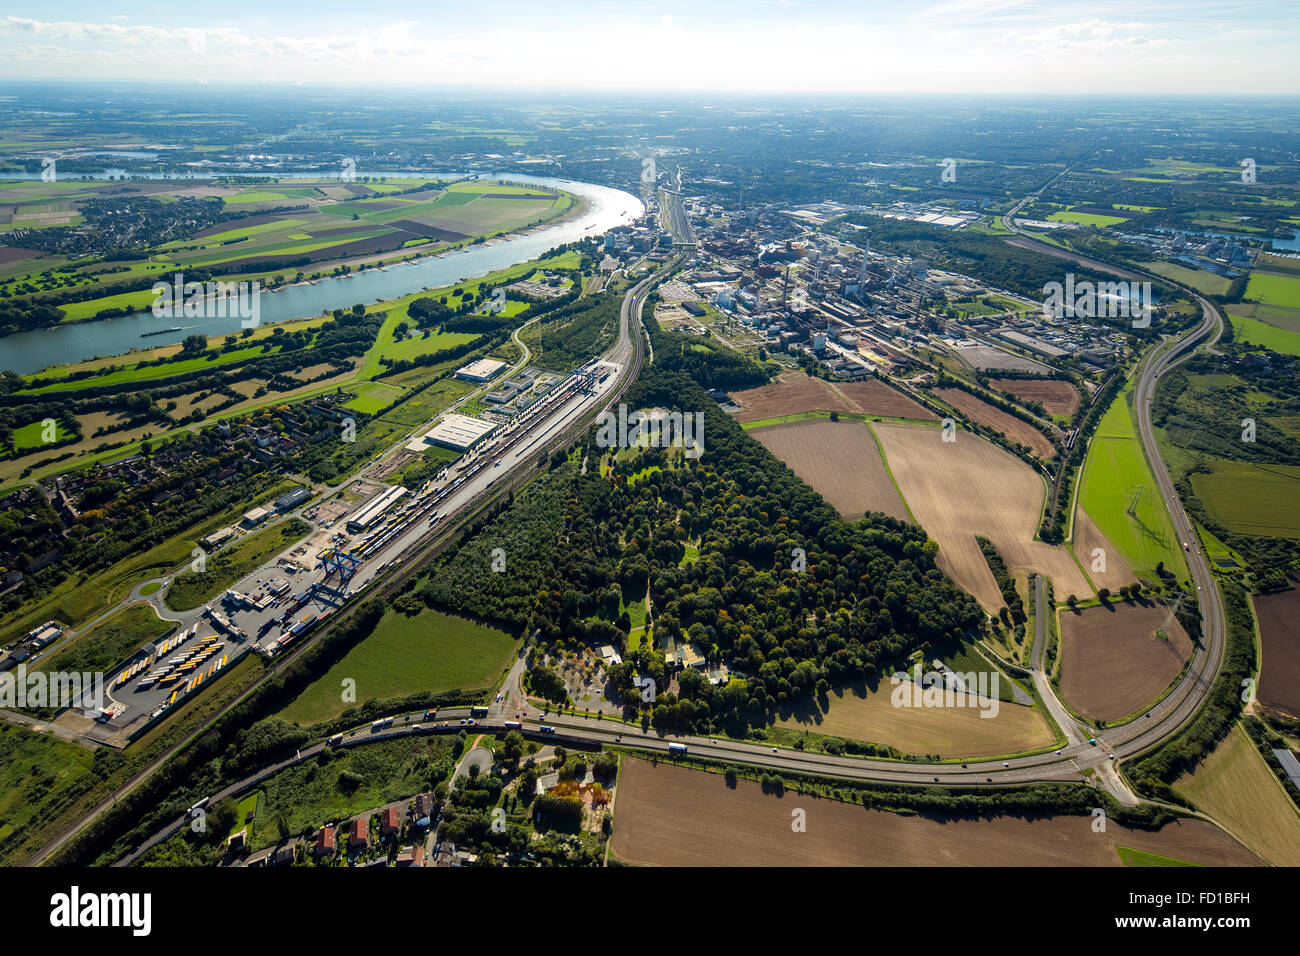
<point x="271" y="610"/>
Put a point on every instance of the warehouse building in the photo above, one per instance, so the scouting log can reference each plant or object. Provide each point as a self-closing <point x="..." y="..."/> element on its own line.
<point x="372" y="510"/>
<point x="480" y="371"/>
<point x="459" y="432"/>
<point x="292" y="499"/>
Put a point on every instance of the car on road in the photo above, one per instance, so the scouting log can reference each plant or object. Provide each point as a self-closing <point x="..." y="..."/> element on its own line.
<point x="963" y="766"/>
<point x="1005" y="764"/>
<point x="774" y="750"/>
<point x="713" y="741"/>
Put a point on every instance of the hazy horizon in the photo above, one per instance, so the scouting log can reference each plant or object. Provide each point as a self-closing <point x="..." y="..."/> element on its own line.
<point x="957" y="47"/>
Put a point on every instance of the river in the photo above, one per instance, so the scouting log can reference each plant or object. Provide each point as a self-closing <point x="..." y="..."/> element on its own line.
<point x="605" y="209"/>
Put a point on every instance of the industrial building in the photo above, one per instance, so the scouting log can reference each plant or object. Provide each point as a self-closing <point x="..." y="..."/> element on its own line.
<point x="292" y="499"/>
<point x="374" y="508"/>
<point x="459" y="432"/>
<point x="480" y="371"/>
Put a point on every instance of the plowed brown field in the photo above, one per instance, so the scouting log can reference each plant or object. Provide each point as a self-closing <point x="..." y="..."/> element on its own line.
<point x="995" y="418"/>
<point x="1112" y="663"/>
<point x="1279" y="629"/>
<point x="796" y="392"/>
<point x="792" y="392"/>
<point x="1059" y="398"/>
<point x="874" y="397"/>
<point x="672" y="816"/>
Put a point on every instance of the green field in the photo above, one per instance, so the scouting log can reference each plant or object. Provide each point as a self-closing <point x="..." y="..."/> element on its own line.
<point x="40" y="776"/>
<point x="430" y="652"/>
<point x="1132" y="857"/>
<point x="373" y="397"/>
<point x="32" y="435"/>
<point x="1205" y="282"/>
<point x="151" y="372"/>
<point x="1114" y="470"/>
<point x="1086" y="218"/>
<point x="1274" y="290"/>
<point x="420" y="344"/>
<point x="1270" y="337"/>
<point x="1252" y="499"/>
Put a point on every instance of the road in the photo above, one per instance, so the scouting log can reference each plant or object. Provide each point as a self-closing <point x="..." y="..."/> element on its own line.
<point x="627" y="355"/>
<point x="1178" y="707"/>
<point x="1065" y="765"/>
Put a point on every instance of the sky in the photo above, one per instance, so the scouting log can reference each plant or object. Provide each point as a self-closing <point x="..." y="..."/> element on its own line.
<point x="1192" y="47"/>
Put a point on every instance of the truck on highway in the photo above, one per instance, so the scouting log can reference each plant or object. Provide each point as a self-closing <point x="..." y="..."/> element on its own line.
<point x="478" y="711"/>
<point x="335" y="740"/>
<point x="677" y="750"/>
<point x="545" y="729"/>
<point x="513" y="725"/>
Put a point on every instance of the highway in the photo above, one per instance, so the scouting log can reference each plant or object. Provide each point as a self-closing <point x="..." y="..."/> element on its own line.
<point x="1065" y="765"/>
<point x="415" y="547"/>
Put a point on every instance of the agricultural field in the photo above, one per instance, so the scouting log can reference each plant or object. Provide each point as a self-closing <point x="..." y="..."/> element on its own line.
<point x="1254" y="332"/>
<point x="1087" y="542"/>
<point x="1057" y="397"/>
<point x="970" y="487"/>
<point x="1236" y="787"/>
<point x="1086" y="218"/>
<point x="1112" y="474"/>
<point x="858" y="713"/>
<point x="1279" y="636"/>
<point x="1200" y="280"/>
<point x="792" y="393"/>
<point x="1115" y="661"/>
<point x="1251" y="499"/>
<point x="838" y="460"/>
<point x="674" y="816"/>
<point x="373" y="397"/>
<point x="1268" y="289"/>
<point x="290" y="222"/>
<point x="1013" y="428"/>
<point x="873" y="397"/>
<point x="429" y="652"/>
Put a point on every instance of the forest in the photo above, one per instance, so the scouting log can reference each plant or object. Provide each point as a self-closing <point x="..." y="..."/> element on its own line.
<point x="577" y="544"/>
